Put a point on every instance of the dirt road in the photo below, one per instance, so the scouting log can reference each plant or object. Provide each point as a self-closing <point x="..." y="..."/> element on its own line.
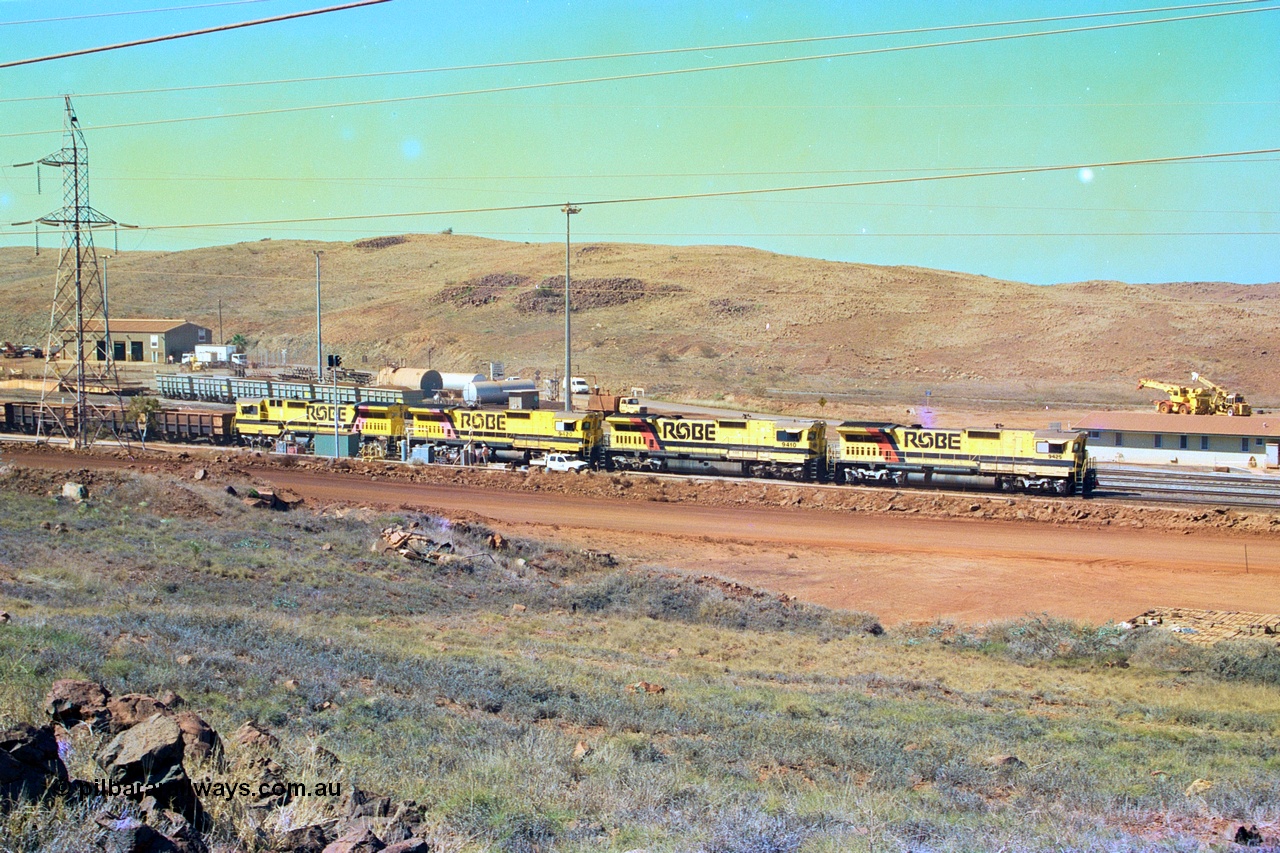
<point x="900" y="567"/>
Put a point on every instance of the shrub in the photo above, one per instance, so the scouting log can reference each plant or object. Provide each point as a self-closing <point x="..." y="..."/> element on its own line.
<point x="1245" y="661"/>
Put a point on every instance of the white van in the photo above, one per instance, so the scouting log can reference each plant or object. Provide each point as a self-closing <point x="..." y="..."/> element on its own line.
<point x="578" y="385"/>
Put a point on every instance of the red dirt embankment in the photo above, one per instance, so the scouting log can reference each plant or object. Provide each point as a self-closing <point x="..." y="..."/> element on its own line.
<point x="900" y="554"/>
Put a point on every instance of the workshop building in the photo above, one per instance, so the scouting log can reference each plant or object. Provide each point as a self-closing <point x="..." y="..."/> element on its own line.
<point x="152" y="341"/>
<point x="1158" y="439"/>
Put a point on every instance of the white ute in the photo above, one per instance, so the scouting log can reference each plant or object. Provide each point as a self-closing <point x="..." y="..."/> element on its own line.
<point x="560" y="462"/>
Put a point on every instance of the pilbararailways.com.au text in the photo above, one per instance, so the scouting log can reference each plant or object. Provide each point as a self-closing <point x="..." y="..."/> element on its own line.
<point x="206" y="788"/>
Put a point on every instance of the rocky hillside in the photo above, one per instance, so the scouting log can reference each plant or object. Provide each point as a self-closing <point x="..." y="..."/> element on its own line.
<point x="697" y="321"/>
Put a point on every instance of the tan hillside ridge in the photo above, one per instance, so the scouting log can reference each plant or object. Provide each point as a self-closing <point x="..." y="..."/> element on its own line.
<point x="738" y="326"/>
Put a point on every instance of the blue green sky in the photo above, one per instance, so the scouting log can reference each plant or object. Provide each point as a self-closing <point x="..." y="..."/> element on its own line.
<point x="1158" y="90"/>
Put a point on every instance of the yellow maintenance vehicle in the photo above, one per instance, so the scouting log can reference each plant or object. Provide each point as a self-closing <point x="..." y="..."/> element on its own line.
<point x="1222" y="401"/>
<point x="1212" y="399"/>
<point x="1183" y="399"/>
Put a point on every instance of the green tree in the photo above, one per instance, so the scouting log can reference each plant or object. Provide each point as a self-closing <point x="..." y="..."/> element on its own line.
<point x="141" y="410"/>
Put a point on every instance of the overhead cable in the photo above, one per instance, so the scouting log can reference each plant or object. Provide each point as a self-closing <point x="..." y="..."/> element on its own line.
<point x="644" y="53"/>
<point x="642" y="75"/>
<point x="206" y="31"/>
<point x="1148" y="161"/>
<point x="90" y="15"/>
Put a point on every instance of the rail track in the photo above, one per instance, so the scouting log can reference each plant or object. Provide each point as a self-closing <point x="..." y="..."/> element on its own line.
<point x="1194" y="487"/>
<point x="1115" y="482"/>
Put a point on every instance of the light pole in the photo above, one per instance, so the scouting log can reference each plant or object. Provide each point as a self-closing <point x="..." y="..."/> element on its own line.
<point x="319" y="343"/>
<point x="569" y="210"/>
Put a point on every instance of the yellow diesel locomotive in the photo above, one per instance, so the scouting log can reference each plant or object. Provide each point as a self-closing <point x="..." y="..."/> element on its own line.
<point x="1053" y="461"/>
<point x="380" y="425"/>
<point x="511" y="435"/>
<point x="753" y="447"/>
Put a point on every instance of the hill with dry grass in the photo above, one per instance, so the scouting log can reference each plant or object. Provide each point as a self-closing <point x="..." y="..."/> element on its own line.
<point x="708" y="322"/>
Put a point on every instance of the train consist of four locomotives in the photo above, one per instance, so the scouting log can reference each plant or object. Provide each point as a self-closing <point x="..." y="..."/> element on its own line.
<point x="1046" y="461"/>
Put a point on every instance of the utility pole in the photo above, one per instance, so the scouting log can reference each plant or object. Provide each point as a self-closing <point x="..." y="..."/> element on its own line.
<point x="569" y="210"/>
<point x="319" y="342"/>
<point x="79" y="303"/>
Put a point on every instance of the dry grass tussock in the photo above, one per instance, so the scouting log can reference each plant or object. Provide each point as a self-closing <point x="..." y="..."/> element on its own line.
<point x="500" y="692"/>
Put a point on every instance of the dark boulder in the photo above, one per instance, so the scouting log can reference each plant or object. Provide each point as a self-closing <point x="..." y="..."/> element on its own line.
<point x="127" y="835"/>
<point x="146" y="760"/>
<point x="199" y="740"/>
<point x="412" y="845"/>
<point x="132" y="708"/>
<point x="30" y="766"/>
<point x="304" y="839"/>
<point x="72" y="701"/>
<point x="359" y="840"/>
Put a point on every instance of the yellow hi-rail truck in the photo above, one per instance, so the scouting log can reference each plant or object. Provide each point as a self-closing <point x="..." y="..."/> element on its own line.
<point x="1222" y="401"/>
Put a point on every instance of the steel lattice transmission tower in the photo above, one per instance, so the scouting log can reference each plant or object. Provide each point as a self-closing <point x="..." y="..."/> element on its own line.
<point x="79" y="306"/>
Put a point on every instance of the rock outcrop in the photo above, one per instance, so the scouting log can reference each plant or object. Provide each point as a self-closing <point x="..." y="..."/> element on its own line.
<point x="71" y="701"/>
<point x="30" y="767"/>
<point x="146" y="760"/>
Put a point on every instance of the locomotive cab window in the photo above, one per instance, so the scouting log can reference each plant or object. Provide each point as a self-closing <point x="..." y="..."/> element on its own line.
<point x="1049" y="447"/>
<point x="788" y="435"/>
<point x="566" y="426"/>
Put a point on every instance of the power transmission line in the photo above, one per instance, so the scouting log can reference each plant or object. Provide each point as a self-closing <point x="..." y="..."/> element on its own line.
<point x="1188" y="158"/>
<point x="398" y="182"/>
<point x="92" y="15"/>
<point x="643" y="75"/>
<point x="656" y="52"/>
<point x="206" y="31"/>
